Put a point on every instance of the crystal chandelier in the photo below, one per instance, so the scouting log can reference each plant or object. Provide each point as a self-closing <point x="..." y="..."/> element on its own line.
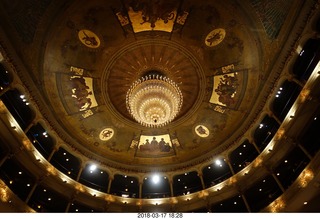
<point x="154" y="100"/>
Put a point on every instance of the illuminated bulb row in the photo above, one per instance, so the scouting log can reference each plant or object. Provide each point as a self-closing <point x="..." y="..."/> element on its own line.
<point x="154" y="100"/>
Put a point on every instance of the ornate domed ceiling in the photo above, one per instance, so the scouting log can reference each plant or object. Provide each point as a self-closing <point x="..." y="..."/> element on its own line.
<point x="95" y="51"/>
<point x="218" y="99"/>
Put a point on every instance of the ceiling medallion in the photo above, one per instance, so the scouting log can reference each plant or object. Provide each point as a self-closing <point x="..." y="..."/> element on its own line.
<point x="154" y="100"/>
<point x="106" y="134"/>
<point x="215" y="37"/>
<point x="202" y="131"/>
<point x="89" y="38"/>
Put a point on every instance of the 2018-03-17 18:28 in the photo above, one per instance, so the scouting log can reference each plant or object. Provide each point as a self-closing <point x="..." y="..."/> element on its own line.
<point x="160" y="215"/>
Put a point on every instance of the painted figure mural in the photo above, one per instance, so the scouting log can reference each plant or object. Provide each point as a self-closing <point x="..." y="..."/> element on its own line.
<point x="153" y="146"/>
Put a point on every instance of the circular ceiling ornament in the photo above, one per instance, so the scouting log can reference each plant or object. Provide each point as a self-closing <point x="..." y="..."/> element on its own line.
<point x="202" y="131"/>
<point x="163" y="57"/>
<point x="106" y="134"/>
<point x="89" y="39"/>
<point x="154" y="100"/>
<point x="215" y="37"/>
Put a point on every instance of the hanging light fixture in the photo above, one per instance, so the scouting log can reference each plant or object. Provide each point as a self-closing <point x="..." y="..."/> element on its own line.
<point x="154" y="100"/>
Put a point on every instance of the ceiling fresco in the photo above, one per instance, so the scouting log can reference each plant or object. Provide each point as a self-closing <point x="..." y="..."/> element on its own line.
<point x="179" y="105"/>
<point x="95" y="52"/>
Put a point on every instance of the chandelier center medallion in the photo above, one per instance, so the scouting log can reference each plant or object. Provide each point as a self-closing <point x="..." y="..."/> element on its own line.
<point x="154" y="100"/>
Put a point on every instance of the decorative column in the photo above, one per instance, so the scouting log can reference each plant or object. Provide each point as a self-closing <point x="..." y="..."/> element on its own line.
<point x="4" y="90"/>
<point x="80" y="172"/>
<point x="278" y="182"/>
<point x="71" y="201"/>
<point x="271" y="114"/>
<point x="295" y="80"/>
<point x="40" y="179"/>
<point x="29" y="126"/>
<point x="31" y="192"/>
<point x="68" y="207"/>
<point x="4" y="159"/>
<point x="109" y="184"/>
<point x="275" y="178"/>
<point x="171" y="186"/>
<point x="304" y="151"/>
<point x="246" y="202"/>
<point x="295" y="143"/>
<point x="140" y="189"/>
<point x="208" y="207"/>
<point x="52" y="153"/>
<point x="230" y="166"/>
<point x="201" y="178"/>
<point x="251" y="141"/>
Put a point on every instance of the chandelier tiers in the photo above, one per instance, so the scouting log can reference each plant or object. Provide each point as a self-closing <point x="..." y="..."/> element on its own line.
<point x="154" y="100"/>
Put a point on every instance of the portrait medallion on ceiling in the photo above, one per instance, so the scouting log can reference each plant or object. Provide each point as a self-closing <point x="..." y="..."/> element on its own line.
<point x="106" y="134"/>
<point x="89" y="39"/>
<point x="215" y="37"/>
<point x="202" y="131"/>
